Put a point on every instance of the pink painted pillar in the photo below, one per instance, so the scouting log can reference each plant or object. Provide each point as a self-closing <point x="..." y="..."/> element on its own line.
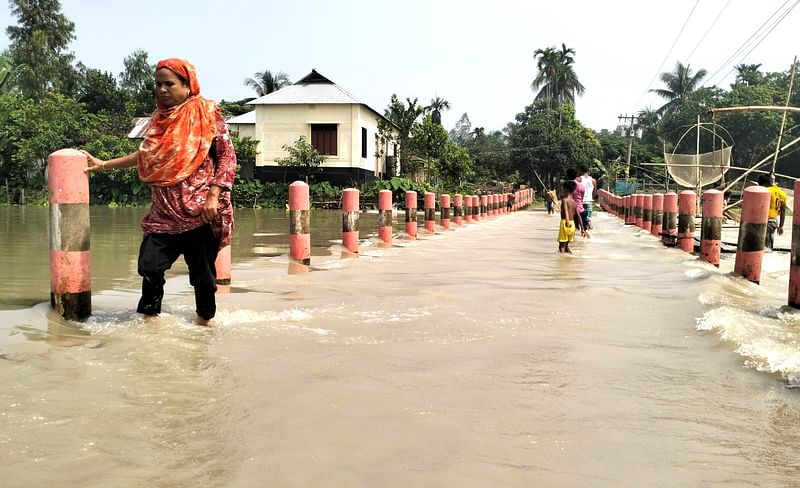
<point x="299" y="223"/>
<point x="458" y="202"/>
<point x="468" y="209"/>
<point x="658" y="214"/>
<point x="385" y="216"/>
<point x="430" y="212"/>
<point x="687" y="203"/>
<point x="444" y="206"/>
<point x="647" y="212"/>
<point x="411" y="214"/>
<point x="350" y="219"/>
<point x="669" y="228"/>
<point x="70" y="256"/>
<point x="476" y="208"/>
<point x="711" y="227"/>
<point x="638" y="200"/>
<point x="752" y="233"/>
<point x="223" y="269"/>
<point x="794" y="264"/>
<point x="484" y="202"/>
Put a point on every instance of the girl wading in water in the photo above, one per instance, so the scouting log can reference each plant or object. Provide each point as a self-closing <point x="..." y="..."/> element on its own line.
<point x="189" y="162"/>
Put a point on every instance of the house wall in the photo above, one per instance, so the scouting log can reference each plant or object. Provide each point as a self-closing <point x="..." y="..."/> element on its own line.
<point x="248" y="130"/>
<point x="279" y="125"/>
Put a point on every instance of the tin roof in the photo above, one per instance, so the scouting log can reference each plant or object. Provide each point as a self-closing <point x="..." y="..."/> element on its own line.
<point x="245" y="118"/>
<point x="313" y="88"/>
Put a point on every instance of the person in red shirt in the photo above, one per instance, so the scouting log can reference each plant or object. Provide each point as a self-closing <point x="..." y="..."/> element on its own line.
<point x="189" y="161"/>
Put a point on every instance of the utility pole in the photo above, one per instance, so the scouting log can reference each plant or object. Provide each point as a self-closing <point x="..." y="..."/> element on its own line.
<point x="624" y="119"/>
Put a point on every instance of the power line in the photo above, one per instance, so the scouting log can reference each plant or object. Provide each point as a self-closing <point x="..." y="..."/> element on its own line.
<point x="758" y="32"/>
<point x="667" y="55"/>
<point x="707" y="31"/>
<point x="762" y="39"/>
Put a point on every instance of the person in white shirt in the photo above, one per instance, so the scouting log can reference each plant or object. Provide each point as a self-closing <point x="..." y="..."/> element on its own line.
<point x="589" y="195"/>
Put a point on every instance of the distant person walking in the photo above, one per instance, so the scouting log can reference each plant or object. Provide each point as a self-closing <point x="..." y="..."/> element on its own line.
<point x="548" y="200"/>
<point x="589" y="196"/>
<point x="777" y="206"/>
<point x="569" y="217"/>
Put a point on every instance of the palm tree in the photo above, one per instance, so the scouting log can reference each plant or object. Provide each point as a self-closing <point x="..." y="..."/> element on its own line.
<point x="265" y="82"/>
<point x="680" y="83"/>
<point x="435" y="109"/>
<point x="748" y="74"/>
<point x="556" y="79"/>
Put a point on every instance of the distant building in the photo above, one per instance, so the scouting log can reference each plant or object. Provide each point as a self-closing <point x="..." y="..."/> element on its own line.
<point x="336" y="123"/>
<point x="244" y="124"/>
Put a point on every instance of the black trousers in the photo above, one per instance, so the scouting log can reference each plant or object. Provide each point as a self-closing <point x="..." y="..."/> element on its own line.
<point x="157" y="254"/>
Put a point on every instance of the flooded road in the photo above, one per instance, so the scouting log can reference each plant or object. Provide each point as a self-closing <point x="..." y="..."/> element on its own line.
<point x="477" y="357"/>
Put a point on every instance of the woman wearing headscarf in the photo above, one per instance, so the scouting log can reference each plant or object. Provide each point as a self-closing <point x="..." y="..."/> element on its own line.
<point x="189" y="162"/>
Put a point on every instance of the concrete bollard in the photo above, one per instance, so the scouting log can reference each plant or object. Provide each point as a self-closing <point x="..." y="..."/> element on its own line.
<point x="70" y="256"/>
<point x="752" y="233"/>
<point x="458" y="201"/>
<point x="638" y="200"/>
<point x="630" y="216"/>
<point x="430" y="212"/>
<point x="223" y="269"/>
<point x="484" y="202"/>
<point x="299" y="223"/>
<point x="711" y="227"/>
<point x="647" y="212"/>
<point x="385" y="216"/>
<point x="411" y="214"/>
<point x="687" y="203"/>
<point x="444" y="211"/>
<point x="658" y="214"/>
<point x="476" y="208"/>
<point x="350" y="219"/>
<point x="468" y="209"/>
<point x="794" y="264"/>
<point x="669" y="227"/>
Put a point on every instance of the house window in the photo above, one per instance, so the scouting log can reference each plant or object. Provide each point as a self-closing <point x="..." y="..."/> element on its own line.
<point x="363" y="142"/>
<point x="323" y="138"/>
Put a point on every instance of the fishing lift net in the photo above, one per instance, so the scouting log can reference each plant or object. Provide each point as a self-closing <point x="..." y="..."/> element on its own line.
<point x="693" y="170"/>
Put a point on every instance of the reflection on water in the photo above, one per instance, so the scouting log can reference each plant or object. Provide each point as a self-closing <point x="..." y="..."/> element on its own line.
<point x="477" y="357"/>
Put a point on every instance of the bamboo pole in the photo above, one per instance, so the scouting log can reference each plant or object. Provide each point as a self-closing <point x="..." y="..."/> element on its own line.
<point x="783" y="120"/>
<point x="755" y="108"/>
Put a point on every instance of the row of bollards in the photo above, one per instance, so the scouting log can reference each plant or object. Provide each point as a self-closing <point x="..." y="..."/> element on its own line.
<point x="70" y="259"/>
<point x="466" y="209"/>
<point x="672" y="217"/>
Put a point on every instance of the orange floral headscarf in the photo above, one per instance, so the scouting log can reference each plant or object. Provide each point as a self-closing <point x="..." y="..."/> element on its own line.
<point x="179" y="138"/>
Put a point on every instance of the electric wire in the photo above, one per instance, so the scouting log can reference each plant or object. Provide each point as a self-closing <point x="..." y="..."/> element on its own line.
<point x="707" y="31"/>
<point x="658" y="71"/>
<point x="758" y="32"/>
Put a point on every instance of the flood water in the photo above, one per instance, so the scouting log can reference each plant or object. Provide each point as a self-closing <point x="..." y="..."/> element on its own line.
<point x="472" y="358"/>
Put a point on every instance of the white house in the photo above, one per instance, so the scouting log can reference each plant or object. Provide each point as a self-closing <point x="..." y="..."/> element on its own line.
<point x="336" y="123"/>
<point x="244" y="124"/>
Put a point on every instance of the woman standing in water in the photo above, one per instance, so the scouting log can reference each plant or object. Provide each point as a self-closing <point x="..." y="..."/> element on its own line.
<point x="189" y="162"/>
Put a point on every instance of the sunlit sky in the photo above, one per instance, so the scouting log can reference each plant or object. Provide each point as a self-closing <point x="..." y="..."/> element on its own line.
<point x="478" y="55"/>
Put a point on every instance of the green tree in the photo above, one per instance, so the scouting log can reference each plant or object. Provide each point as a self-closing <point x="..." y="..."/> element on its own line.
<point x="460" y="133"/>
<point x="264" y="82"/>
<point x="402" y="118"/>
<point x="246" y="151"/>
<point x="239" y="107"/>
<point x="556" y="80"/>
<point x="38" y="46"/>
<point x="303" y="157"/>
<point x="679" y="84"/>
<point x="547" y="141"/>
<point x="99" y="92"/>
<point x="748" y="74"/>
<point x="37" y="128"/>
<point x="435" y="109"/>
<point x="136" y="82"/>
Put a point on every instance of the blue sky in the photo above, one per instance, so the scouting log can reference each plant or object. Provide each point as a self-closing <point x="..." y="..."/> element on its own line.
<point x="477" y="55"/>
